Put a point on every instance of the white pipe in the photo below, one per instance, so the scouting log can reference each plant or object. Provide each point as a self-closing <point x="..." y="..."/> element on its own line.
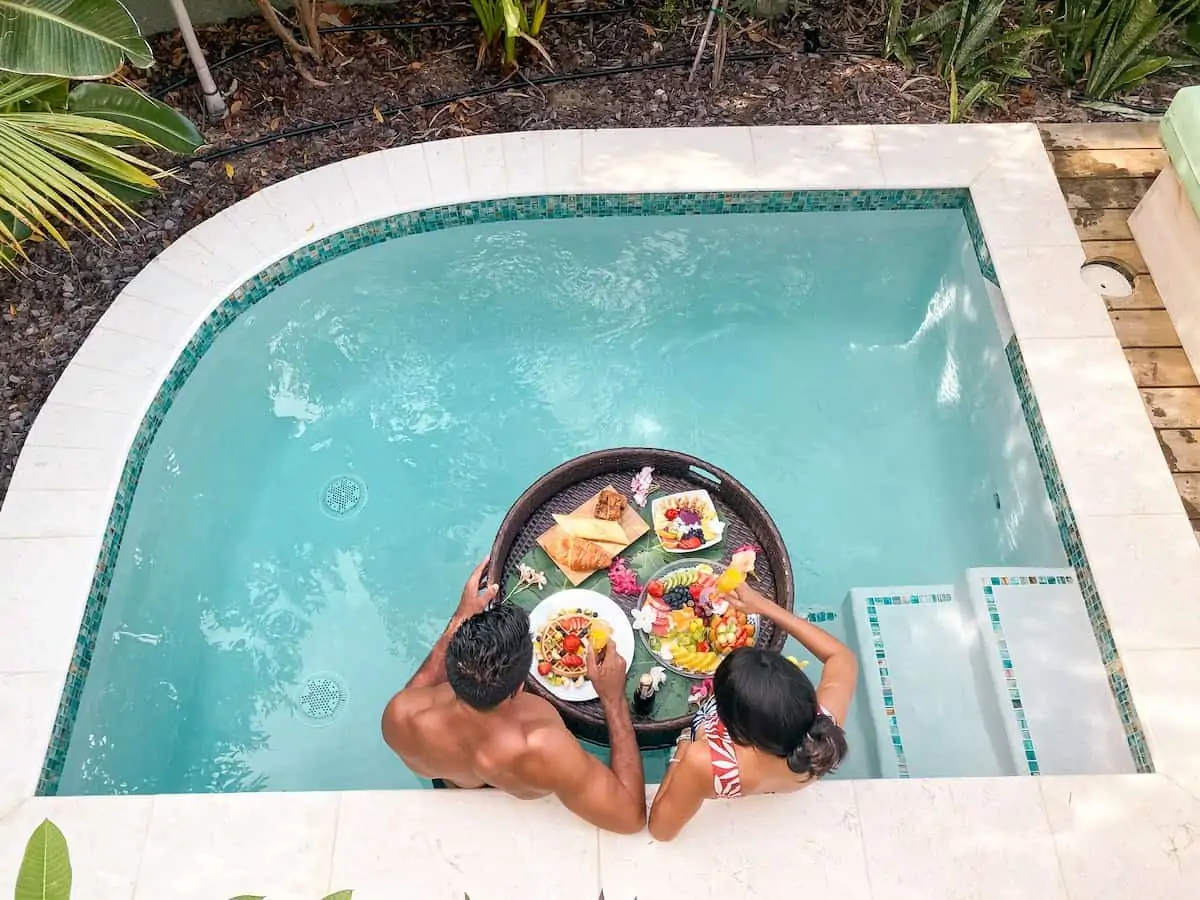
<point x="214" y="103"/>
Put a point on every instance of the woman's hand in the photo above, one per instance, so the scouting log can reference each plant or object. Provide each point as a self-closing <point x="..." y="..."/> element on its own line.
<point x="746" y="599"/>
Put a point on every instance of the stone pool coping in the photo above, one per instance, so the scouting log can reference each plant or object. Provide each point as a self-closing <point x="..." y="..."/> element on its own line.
<point x="1018" y="837"/>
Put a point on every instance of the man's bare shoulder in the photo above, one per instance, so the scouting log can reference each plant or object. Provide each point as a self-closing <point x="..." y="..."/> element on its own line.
<point x="406" y="706"/>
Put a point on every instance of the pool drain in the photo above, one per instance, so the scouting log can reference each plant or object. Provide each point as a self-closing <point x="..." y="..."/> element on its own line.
<point x="321" y="698"/>
<point x="344" y="496"/>
<point x="1106" y="279"/>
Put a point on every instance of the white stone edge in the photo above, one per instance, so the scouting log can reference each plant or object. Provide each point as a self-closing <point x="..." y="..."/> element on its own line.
<point x="57" y="508"/>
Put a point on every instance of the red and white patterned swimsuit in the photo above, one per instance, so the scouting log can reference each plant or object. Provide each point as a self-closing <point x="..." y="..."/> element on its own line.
<point x="727" y="777"/>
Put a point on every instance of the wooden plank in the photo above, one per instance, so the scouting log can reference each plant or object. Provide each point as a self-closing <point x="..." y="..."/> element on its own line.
<point x="1102" y="224"/>
<point x="1101" y="136"/>
<point x="1181" y="447"/>
<point x="1124" y="252"/>
<point x="1173" y="407"/>
<point x="1144" y="296"/>
<point x="1104" y="193"/>
<point x="1144" y="328"/>
<point x="1188" y="486"/>
<point x="1161" y="367"/>
<point x="1108" y="163"/>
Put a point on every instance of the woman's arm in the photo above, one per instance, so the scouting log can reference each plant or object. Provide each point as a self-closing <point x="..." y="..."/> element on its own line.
<point x="682" y="792"/>
<point x="840" y="672"/>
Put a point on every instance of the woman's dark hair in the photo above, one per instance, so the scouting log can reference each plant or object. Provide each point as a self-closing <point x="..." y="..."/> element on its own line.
<point x="766" y="702"/>
<point x="489" y="656"/>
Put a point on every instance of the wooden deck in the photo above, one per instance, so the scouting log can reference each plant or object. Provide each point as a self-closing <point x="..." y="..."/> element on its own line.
<point x="1104" y="170"/>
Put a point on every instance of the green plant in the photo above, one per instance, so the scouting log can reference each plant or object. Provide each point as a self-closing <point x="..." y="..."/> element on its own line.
<point x="79" y="39"/>
<point x="64" y="157"/>
<point x="980" y="49"/>
<point x="45" y="872"/>
<point x="1108" y="45"/>
<point x="506" y="22"/>
<point x="61" y="156"/>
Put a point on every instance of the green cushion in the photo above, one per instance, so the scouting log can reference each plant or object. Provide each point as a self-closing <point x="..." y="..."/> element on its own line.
<point x="1181" y="139"/>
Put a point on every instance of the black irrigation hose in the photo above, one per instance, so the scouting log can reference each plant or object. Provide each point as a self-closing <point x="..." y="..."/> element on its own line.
<point x="271" y="43"/>
<point x="320" y="127"/>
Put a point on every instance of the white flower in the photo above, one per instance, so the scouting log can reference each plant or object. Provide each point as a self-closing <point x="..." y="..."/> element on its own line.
<point x="665" y="653"/>
<point x="658" y="675"/>
<point x="641" y="484"/>
<point x="530" y="576"/>
<point x="643" y="618"/>
<point x="720" y="607"/>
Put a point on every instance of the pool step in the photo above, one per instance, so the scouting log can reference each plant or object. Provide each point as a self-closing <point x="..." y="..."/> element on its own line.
<point x="933" y="700"/>
<point x="998" y="674"/>
<point x="1055" y="684"/>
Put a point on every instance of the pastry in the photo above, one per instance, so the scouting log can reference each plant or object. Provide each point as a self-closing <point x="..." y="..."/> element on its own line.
<point x="592" y="529"/>
<point x="610" y="505"/>
<point x="577" y="554"/>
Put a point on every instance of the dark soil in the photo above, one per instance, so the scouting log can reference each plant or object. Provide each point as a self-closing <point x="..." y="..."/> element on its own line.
<point x="46" y="315"/>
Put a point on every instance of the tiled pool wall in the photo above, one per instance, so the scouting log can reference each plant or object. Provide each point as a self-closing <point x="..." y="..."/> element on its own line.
<point x="1069" y="532"/>
<point x="564" y="206"/>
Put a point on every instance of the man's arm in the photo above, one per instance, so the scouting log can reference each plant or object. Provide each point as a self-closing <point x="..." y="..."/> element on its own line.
<point x="610" y="798"/>
<point x="433" y="671"/>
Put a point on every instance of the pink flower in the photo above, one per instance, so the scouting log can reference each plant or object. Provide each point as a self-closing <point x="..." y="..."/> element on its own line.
<point x="701" y="691"/>
<point x="623" y="579"/>
<point x="641" y="485"/>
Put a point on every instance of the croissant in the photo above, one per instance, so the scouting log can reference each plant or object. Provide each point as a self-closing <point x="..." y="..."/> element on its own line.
<point x="578" y="555"/>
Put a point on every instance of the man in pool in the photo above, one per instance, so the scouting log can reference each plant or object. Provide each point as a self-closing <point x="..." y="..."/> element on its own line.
<point x="465" y="721"/>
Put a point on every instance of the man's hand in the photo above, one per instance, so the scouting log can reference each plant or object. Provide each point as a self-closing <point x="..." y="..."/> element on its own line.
<point x="607" y="673"/>
<point x="746" y="599"/>
<point x="474" y="600"/>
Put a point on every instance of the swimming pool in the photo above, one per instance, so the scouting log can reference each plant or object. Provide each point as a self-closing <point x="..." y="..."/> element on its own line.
<point x="342" y="454"/>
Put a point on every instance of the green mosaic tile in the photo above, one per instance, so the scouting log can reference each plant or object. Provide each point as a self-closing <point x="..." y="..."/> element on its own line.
<point x="418" y="222"/>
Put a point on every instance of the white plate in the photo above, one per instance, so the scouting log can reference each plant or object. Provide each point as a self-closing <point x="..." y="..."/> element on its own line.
<point x="659" y="506"/>
<point x="604" y="608"/>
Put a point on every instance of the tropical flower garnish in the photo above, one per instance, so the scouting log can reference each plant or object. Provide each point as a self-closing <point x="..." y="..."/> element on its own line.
<point x="701" y="691"/>
<point x="642" y="484"/>
<point x="644" y="618"/>
<point x="658" y="676"/>
<point x="527" y="577"/>
<point x="623" y="579"/>
<point x="798" y="663"/>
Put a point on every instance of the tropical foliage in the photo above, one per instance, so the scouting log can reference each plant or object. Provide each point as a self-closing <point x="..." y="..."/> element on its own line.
<point x="1110" y="46"/>
<point x="65" y="159"/>
<point x="981" y="46"/>
<point x="504" y="22"/>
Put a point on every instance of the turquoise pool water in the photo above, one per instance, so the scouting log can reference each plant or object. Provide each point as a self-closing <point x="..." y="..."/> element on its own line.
<point x="845" y="366"/>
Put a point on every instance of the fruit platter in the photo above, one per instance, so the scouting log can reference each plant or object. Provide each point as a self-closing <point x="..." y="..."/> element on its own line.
<point x="685" y="624"/>
<point x="686" y="522"/>
<point x="562" y="627"/>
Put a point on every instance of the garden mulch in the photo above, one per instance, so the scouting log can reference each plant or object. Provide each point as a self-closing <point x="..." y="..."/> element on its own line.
<point x="45" y="315"/>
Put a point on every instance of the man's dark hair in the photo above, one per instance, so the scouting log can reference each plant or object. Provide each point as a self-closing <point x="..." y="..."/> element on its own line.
<point x="489" y="656"/>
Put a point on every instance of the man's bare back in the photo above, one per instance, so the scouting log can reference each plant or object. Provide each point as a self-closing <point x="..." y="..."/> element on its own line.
<point x="440" y="737"/>
<point x="464" y="717"/>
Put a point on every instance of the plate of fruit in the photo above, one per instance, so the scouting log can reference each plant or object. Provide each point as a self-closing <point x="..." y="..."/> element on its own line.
<point x="686" y="522"/>
<point x="562" y="626"/>
<point x="684" y="622"/>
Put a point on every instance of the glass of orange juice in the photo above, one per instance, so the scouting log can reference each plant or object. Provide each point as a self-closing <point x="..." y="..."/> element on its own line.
<point x="599" y="634"/>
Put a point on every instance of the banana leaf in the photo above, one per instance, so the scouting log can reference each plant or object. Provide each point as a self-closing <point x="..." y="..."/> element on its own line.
<point x="80" y="39"/>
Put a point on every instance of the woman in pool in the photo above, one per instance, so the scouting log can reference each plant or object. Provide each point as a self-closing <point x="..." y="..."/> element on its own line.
<point x="765" y="729"/>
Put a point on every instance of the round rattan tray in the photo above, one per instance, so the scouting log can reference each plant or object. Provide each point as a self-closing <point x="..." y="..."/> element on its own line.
<point x="573" y="482"/>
